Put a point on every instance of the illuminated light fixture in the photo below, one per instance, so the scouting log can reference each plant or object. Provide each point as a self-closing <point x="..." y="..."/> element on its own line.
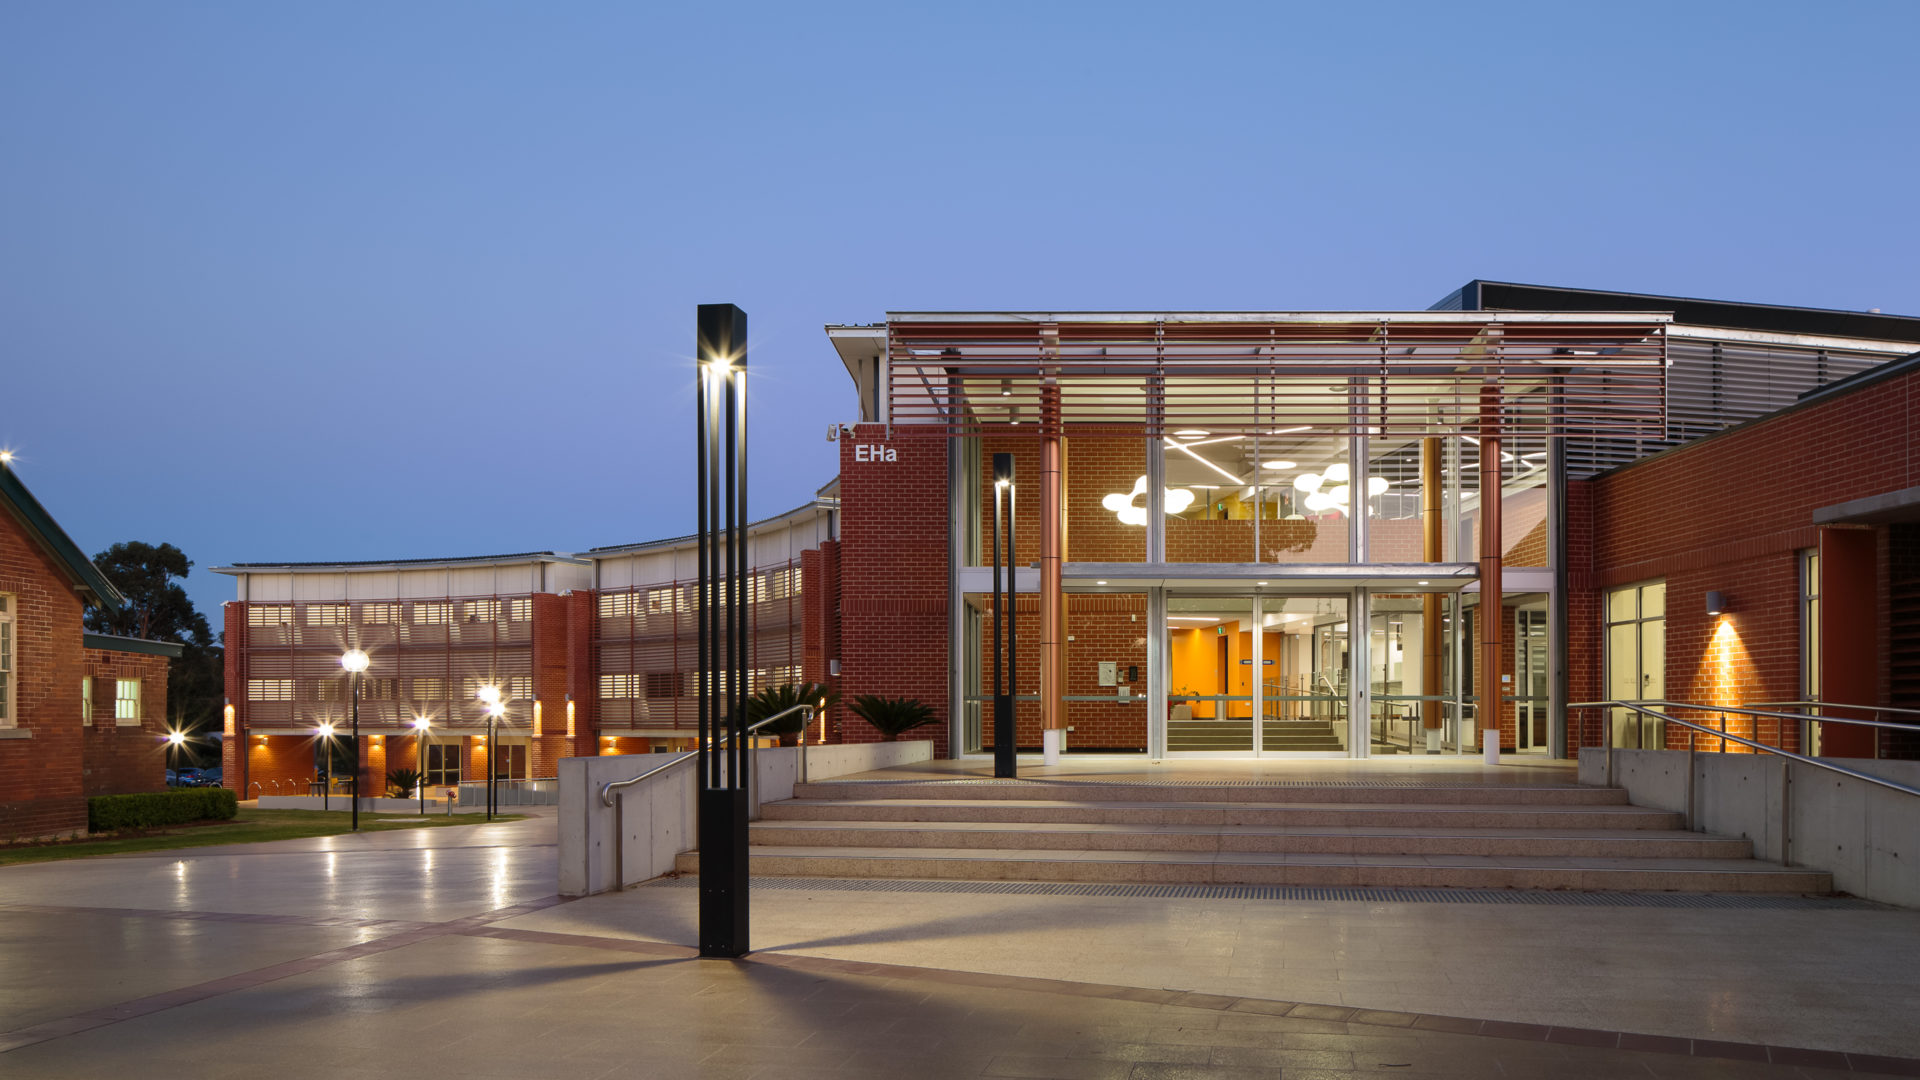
<point x="176" y="738"/>
<point x="536" y="718"/>
<point x="1331" y="491"/>
<point x="1192" y="433"/>
<point x="1006" y="387"/>
<point x="227" y="722"/>
<point x="1259" y="583"/>
<point x="1291" y="430"/>
<point x="1193" y="618"/>
<point x="6" y="457"/>
<point x="1716" y="603"/>
<point x="1426" y="583"/>
<point x="421" y="723"/>
<point x="1278" y="464"/>
<point x="569" y="716"/>
<point x="1099" y="583"/>
<point x="490" y="694"/>
<point x="1131" y="509"/>
<point x="326" y="731"/>
<point x="1188" y="449"/>
<point x="354" y="660"/>
<point x="1471" y="439"/>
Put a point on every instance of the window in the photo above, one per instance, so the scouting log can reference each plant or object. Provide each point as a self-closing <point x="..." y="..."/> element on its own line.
<point x="269" y="689"/>
<point x="86" y="702"/>
<point x="426" y="612"/>
<point x="443" y="764"/>
<point x="269" y="615"/>
<point x="1810" y="641"/>
<point x="618" y="605"/>
<point x="429" y="688"/>
<point x="379" y="614"/>
<point x="126" y="702"/>
<point x="1637" y="660"/>
<point x="509" y="761"/>
<point x="329" y="614"/>
<point x="620" y="686"/>
<point x="480" y="611"/>
<point x="6" y="661"/>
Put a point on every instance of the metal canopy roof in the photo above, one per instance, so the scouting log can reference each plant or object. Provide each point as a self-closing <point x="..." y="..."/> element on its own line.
<point x="1338" y="373"/>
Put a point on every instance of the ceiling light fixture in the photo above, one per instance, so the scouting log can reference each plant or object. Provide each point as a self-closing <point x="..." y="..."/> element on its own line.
<point x="1278" y="464"/>
<point x="1331" y="491"/>
<point x="1131" y="509"/>
<point x="1192" y="433"/>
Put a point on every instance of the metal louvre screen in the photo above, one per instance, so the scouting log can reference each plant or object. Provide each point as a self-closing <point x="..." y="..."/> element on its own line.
<point x="1594" y="375"/>
<point x="1713" y="385"/>
<point x="425" y="658"/>
<point x="647" y="653"/>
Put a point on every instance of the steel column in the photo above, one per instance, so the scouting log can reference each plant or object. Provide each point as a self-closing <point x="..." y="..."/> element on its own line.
<point x="1490" y="619"/>
<point x="1430" y="551"/>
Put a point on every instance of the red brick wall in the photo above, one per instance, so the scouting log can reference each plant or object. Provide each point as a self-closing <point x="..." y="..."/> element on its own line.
<point x="581" y="612"/>
<point x="1730" y="513"/>
<point x="41" y="779"/>
<point x="550" y="654"/>
<point x="236" y="755"/>
<point x="820" y="623"/>
<point x="280" y="764"/>
<point x="894" y="559"/>
<point x="120" y="759"/>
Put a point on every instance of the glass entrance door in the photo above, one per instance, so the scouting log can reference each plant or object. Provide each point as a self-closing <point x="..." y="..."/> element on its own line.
<point x="1530" y="656"/>
<point x="1256" y="675"/>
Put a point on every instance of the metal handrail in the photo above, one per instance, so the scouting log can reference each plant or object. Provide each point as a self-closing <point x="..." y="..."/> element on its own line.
<point x="1832" y="705"/>
<point x="607" y="789"/>
<point x="1643" y="709"/>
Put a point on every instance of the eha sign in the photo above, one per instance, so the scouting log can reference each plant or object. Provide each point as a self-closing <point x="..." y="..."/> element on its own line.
<point x="865" y="452"/>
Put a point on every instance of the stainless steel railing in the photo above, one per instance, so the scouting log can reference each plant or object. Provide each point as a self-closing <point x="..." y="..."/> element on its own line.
<point x="1815" y="718"/>
<point x="808" y="709"/>
<point x="1694" y="730"/>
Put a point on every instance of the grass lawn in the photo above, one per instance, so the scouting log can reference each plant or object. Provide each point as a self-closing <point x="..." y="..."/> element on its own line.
<point x="247" y="827"/>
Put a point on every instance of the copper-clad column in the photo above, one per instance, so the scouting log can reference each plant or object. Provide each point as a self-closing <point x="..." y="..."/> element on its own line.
<point x="1053" y="669"/>
<point x="1430" y="551"/>
<point x="1490" y="617"/>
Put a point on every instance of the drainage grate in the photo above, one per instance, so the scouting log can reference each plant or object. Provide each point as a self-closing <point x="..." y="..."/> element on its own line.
<point x="1051" y="781"/>
<point x="1532" y="897"/>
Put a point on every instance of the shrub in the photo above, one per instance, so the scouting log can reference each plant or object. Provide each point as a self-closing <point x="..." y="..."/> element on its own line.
<point x="892" y="717"/>
<point x="776" y="699"/>
<point x="156" y="809"/>
<point x="401" y="782"/>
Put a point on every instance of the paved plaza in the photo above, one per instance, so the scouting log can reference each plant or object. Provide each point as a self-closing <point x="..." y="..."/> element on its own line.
<point x="446" y="952"/>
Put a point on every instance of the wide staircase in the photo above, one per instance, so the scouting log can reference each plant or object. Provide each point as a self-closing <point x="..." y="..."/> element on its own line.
<point x="1378" y="833"/>
<point x="1236" y="735"/>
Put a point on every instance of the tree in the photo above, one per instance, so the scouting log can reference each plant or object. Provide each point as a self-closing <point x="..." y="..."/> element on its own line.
<point x="157" y="608"/>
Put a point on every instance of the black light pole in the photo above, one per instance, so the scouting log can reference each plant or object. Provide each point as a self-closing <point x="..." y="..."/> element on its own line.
<point x="326" y="786"/>
<point x="420" y="724"/>
<point x="355" y="662"/>
<point x="720" y="454"/>
<point x="1005" y="763"/>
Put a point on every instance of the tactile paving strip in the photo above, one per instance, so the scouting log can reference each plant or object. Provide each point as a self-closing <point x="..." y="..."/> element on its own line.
<point x="1536" y="897"/>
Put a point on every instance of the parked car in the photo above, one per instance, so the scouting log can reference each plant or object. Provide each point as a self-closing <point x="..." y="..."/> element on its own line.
<point x="216" y="775"/>
<point x="186" y="778"/>
<point x="172" y="778"/>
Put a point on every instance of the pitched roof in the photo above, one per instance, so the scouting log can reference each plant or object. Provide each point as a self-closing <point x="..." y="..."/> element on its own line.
<point x="87" y="578"/>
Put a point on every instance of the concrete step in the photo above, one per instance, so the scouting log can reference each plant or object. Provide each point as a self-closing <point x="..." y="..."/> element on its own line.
<point x="1341" y="840"/>
<point x="1207" y="791"/>
<point x="1290" y="814"/>
<point x="1255" y="868"/>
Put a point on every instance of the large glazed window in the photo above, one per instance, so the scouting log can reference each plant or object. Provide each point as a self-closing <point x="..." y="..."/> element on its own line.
<point x="6" y="661"/>
<point x="1283" y="497"/>
<point x="1637" y="660"/>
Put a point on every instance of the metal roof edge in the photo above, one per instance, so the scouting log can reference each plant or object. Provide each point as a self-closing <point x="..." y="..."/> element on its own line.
<point x="814" y="505"/>
<point x="1629" y="316"/>
<point x="117" y="643"/>
<point x="41" y="526"/>
<point x="431" y="563"/>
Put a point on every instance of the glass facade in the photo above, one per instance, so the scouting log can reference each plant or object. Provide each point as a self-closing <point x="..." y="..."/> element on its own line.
<point x="1220" y="663"/>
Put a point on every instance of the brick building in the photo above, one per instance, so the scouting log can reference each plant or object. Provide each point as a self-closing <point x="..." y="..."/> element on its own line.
<point x="80" y="714"/>
<point x="1233" y="534"/>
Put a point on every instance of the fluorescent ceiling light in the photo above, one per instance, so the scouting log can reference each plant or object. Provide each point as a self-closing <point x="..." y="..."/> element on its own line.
<point x="1280" y="464"/>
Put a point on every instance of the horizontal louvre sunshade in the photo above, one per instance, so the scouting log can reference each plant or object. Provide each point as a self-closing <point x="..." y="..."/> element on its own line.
<point x="1598" y="376"/>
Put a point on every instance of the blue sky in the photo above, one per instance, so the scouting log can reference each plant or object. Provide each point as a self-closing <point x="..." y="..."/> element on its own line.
<point x="305" y="281"/>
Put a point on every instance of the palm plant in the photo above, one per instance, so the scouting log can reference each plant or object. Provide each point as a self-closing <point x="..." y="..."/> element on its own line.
<point x="401" y="782"/>
<point x="892" y="717"/>
<point x="774" y="700"/>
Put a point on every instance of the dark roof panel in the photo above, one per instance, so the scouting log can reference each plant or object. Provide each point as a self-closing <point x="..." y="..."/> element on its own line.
<point x="1478" y="295"/>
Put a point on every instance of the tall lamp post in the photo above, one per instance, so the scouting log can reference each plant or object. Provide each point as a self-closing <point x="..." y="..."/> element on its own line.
<point x="490" y="696"/>
<point x="355" y="661"/>
<point x="1005" y="763"/>
<point x="326" y="787"/>
<point x="720" y="477"/>
<point x="420" y="726"/>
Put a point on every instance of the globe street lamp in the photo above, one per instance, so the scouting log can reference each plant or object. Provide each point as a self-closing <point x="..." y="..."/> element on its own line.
<point x="355" y="661"/>
<point x="490" y="696"/>
<point x="175" y="740"/>
<point x="420" y="726"/>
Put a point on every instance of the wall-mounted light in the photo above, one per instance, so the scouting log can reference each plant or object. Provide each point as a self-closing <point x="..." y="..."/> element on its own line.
<point x="1716" y="602"/>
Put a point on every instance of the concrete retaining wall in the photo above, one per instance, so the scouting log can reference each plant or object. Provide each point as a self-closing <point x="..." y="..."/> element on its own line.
<point x="603" y="849"/>
<point x="1866" y="836"/>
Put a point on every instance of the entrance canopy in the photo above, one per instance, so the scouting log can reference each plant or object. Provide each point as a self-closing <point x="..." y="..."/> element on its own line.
<point x="1335" y="373"/>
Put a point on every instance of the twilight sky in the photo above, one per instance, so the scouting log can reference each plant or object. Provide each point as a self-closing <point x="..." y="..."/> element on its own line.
<point x="311" y="281"/>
